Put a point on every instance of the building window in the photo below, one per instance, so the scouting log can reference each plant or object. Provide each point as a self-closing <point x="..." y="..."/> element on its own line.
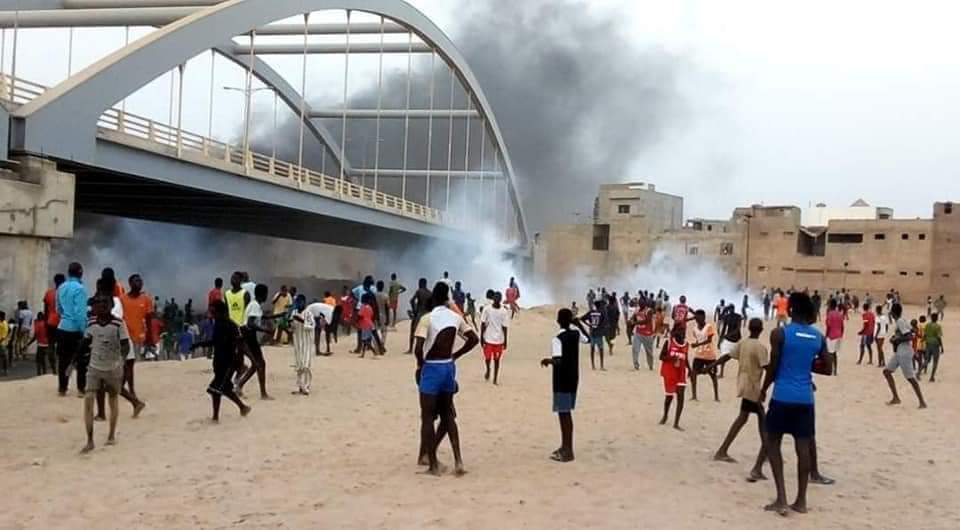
<point x="623" y="208"/>
<point x="601" y="237"/>
<point x="903" y="273"/>
<point x="948" y="208"/>
<point x="904" y="236"/>
<point x="922" y="237"/>
<point x="764" y="234"/>
<point x="693" y="251"/>
<point x="726" y="249"/>
<point x="709" y="228"/>
<point x="919" y="274"/>
<point x="946" y="275"/>
<point x="845" y="238"/>
<point x="788" y="233"/>
<point x="762" y="268"/>
<point x="877" y="273"/>
<point x="880" y="237"/>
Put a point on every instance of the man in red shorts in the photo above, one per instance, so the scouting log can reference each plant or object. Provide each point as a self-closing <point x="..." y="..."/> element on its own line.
<point x="494" y="322"/>
<point x="674" y="368"/>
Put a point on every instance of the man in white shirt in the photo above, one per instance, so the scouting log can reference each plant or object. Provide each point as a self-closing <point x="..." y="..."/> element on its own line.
<point x="494" y="323"/>
<point x="323" y="316"/>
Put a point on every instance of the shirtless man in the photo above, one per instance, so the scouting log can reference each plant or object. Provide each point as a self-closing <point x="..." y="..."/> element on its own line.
<point x="436" y="375"/>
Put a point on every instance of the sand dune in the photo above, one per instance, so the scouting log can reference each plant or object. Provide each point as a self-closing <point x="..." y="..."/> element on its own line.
<point x="345" y="456"/>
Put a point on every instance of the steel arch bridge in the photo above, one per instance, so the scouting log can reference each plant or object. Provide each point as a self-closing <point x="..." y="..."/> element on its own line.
<point x="103" y="139"/>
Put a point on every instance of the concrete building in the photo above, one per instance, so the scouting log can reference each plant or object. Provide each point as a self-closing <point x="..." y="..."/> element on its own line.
<point x="763" y="246"/>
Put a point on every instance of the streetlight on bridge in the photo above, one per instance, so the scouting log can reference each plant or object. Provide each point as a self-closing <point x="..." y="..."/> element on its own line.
<point x="248" y="95"/>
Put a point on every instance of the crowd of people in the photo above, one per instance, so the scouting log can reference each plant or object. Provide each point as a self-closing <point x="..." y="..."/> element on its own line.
<point x="101" y="335"/>
<point x="692" y="346"/>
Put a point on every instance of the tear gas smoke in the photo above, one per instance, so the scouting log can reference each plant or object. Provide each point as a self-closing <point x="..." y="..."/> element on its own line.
<point x="702" y="281"/>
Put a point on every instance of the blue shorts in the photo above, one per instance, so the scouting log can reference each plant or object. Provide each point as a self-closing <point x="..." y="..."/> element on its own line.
<point x="366" y="335"/>
<point x="597" y="341"/>
<point x="564" y="401"/>
<point x="438" y="378"/>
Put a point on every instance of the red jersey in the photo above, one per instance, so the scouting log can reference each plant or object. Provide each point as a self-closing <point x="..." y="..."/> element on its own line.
<point x="673" y="369"/>
<point x="365" y="318"/>
<point x="40" y="331"/>
<point x="156" y="328"/>
<point x="50" y="308"/>
<point x="644" y="329"/>
<point x="512" y="294"/>
<point x="869" y="324"/>
<point x="215" y="295"/>
<point x="348" y="305"/>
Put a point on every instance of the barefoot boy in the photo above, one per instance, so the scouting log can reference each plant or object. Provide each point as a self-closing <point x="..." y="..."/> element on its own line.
<point x="753" y="358"/>
<point x="109" y="345"/>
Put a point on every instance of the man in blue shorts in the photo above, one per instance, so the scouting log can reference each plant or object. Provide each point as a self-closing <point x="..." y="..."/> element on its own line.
<point x="565" y="360"/>
<point x="436" y="375"/>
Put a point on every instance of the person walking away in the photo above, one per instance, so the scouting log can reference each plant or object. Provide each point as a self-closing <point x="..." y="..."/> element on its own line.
<point x="396" y="289"/>
<point x="834" y="324"/>
<point x="565" y="361"/>
<point x="753" y="358"/>
<point x="382" y="313"/>
<point x="513" y="297"/>
<point x="933" y="337"/>
<point x="304" y="344"/>
<point x="596" y="321"/>
<point x="940" y="304"/>
<point x="419" y="307"/>
<point x="226" y="342"/>
<point x="730" y="334"/>
<point x="902" y="357"/>
<point x="867" y="334"/>
<point x="53" y="318"/>
<point x="41" y="336"/>
<point x="793" y="350"/>
<point x="494" y="327"/>
<point x="72" y="308"/>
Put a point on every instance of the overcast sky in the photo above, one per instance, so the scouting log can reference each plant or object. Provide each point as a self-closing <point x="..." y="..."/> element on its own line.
<point x="784" y="102"/>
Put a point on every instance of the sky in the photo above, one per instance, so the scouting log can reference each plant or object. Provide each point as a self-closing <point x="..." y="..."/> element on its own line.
<point x="768" y="102"/>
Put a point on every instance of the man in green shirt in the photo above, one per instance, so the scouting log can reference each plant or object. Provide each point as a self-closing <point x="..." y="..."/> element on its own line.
<point x="933" y="337"/>
<point x="393" y="295"/>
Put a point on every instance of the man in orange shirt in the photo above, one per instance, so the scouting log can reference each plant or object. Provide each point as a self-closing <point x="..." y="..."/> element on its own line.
<point x="704" y="352"/>
<point x="781" y="308"/>
<point x="137" y="314"/>
<point x="215" y="295"/>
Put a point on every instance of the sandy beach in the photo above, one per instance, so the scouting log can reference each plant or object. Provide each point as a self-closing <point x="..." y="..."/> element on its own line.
<point x="345" y="456"/>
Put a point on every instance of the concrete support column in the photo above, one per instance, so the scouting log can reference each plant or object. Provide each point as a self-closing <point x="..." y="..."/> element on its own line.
<point x="36" y="206"/>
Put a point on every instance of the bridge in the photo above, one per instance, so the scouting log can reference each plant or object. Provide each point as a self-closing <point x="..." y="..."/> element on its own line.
<point x="75" y="145"/>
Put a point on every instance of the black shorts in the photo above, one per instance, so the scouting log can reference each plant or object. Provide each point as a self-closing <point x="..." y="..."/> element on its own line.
<point x="751" y="407"/>
<point x="796" y="419"/>
<point x="700" y="365"/>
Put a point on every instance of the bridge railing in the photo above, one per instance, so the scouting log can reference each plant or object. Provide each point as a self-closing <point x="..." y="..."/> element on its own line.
<point x="124" y="127"/>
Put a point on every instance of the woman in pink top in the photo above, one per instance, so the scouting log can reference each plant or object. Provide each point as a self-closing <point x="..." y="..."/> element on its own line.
<point x="834" y="332"/>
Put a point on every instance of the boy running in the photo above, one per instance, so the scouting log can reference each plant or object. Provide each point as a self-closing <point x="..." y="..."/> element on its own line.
<point x="494" y="324"/>
<point x="753" y="358"/>
<point x="643" y="332"/>
<point x="902" y="357"/>
<point x="674" y="367"/>
<point x="565" y="360"/>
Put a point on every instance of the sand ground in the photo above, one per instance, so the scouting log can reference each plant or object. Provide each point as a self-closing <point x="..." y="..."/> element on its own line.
<point x="345" y="456"/>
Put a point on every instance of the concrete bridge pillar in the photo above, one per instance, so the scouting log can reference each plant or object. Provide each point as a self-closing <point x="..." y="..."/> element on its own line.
<point x="36" y="206"/>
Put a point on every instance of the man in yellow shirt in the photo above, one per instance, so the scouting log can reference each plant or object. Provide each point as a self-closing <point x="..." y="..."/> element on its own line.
<point x="704" y="352"/>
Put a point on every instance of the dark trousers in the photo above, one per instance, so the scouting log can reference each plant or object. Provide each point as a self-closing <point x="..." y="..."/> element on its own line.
<point x="68" y="352"/>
